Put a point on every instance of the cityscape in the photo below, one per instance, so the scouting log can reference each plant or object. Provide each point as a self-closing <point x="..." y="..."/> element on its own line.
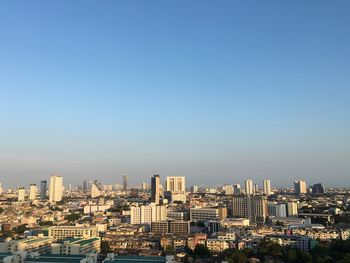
<point x="187" y="131"/>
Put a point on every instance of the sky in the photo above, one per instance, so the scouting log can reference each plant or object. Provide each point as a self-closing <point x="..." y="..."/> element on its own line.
<point x="217" y="91"/>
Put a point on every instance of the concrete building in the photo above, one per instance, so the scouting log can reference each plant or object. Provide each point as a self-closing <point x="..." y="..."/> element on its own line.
<point x="21" y="194"/>
<point x="55" y="188"/>
<point x="277" y="209"/>
<point x="300" y="187"/>
<point x="267" y="187"/>
<point x="43" y="189"/>
<point x="77" y="246"/>
<point x="65" y="232"/>
<point x="249" y="188"/>
<point x="125" y="182"/>
<point x="155" y="191"/>
<point x="253" y="207"/>
<point x="95" y="191"/>
<point x="175" y="185"/>
<point x="292" y="209"/>
<point x="145" y="214"/>
<point x="207" y="213"/>
<point x="33" y="192"/>
<point x="40" y="244"/>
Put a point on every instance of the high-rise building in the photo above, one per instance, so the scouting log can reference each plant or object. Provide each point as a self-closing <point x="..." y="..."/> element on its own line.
<point x="155" y="193"/>
<point x="0" y="188"/>
<point x="253" y="207"/>
<point x="21" y="194"/>
<point x="85" y="185"/>
<point x="176" y="188"/>
<point x="237" y="188"/>
<point x="145" y="214"/>
<point x="43" y="188"/>
<point x="33" y="191"/>
<point x="300" y="187"/>
<point x="277" y="209"/>
<point x="125" y="182"/>
<point x="55" y="188"/>
<point x="267" y="187"/>
<point x="144" y="186"/>
<point x="249" y="190"/>
<point x="292" y="209"/>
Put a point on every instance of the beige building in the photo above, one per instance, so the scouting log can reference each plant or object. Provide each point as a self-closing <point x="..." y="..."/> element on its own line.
<point x="31" y="244"/>
<point x="55" y="188"/>
<point x="64" y="232"/>
<point x="253" y="207"/>
<point x="77" y="246"/>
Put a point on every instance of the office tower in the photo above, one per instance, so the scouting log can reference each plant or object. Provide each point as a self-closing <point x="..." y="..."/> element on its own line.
<point x="55" y="188"/>
<point x="175" y="187"/>
<point x="267" y="187"/>
<point x="125" y="182"/>
<point x="33" y="191"/>
<point x="155" y="184"/>
<point x="228" y="189"/>
<point x="43" y="188"/>
<point x="253" y="207"/>
<point x="194" y="189"/>
<point x="300" y="187"/>
<point x="237" y="188"/>
<point x="0" y="188"/>
<point x="317" y="189"/>
<point x="95" y="191"/>
<point x="249" y="187"/>
<point x="292" y="209"/>
<point x="21" y="194"/>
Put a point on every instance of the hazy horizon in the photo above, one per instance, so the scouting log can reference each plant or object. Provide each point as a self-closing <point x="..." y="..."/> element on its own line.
<point x="218" y="92"/>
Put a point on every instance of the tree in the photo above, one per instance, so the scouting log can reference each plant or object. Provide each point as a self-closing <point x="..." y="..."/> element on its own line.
<point x="105" y="248"/>
<point x="201" y="250"/>
<point x="20" y="229"/>
<point x="169" y="250"/>
<point x="72" y="217"/>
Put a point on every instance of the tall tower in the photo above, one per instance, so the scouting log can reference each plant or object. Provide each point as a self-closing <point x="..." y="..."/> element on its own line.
<point x="125" y="182"/>
<point x="33" y="191"/>
<point x="21" y="194"/>
<point x="267" y="187"/>
<point x="300" y="187"/>
<point x="56" y="188"/>
<point x="155" y="183"/>
<point x="43" y="188"/>
<point x="249" y="190"/>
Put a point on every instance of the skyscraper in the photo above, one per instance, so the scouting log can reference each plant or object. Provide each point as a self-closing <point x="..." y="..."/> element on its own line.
<point x="300" y="187"/>
<point x="155" y="194"/>
<point x="56" y="188"/>
<point x="33" y="191"/>
<point x="43" y="188"/>
<point x="249" y="187"/>
<point x="21" y="194"/>
<point x="267" y="187"/>
<point x="125" y="182"/>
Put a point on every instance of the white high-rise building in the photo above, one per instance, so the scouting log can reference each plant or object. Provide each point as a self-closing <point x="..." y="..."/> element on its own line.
<point x="249" y="188"/>
<point x="267" y="187"/>
<point x="292" y="208"/>
<point x="228" y="189"/>
<point x="0" y="188"/>
<point x="175" y="183"/>
<point x="33" y="191"/>
<point x="253" y="207"/>
<point x="300" y="187"/>
<point x="55" y="188"/>
<point x="21" y="194"/>
<point x="176" y="186"/>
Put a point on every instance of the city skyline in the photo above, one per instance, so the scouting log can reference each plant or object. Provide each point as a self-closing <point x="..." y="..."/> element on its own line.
<point x="217" y="93"/>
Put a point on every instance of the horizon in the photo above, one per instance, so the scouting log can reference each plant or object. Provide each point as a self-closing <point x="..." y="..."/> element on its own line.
<point x="213" y="92"/>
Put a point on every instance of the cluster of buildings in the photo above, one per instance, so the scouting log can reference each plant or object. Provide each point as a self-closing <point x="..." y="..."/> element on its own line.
<point x="53" y="223"/>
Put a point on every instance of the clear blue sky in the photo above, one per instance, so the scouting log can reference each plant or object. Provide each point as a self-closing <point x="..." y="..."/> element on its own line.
<point x="217" y="91"/>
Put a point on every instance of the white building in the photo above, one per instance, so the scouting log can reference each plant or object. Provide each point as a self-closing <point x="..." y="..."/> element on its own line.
<point x="95" y="191"/>
<point x="33" y="191"/>
<point x="176" y="186"/>
<point x="249" y="188"/>
<point x="78" y="246"/>
<point x="145" y="214"/>
<point x="267" y="187"/>
<point x="31" y="244"/>
<point x="55" y="188"/>
<point x="21" y="194"/>
<point x="65" y="232"/>
<point x="228" y="189"/>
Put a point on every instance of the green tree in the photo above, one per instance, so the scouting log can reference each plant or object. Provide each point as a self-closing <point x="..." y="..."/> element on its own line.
<point x="72" y="217"/>
<point x="201" y="250"/>
<point x="105" y="248"/>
